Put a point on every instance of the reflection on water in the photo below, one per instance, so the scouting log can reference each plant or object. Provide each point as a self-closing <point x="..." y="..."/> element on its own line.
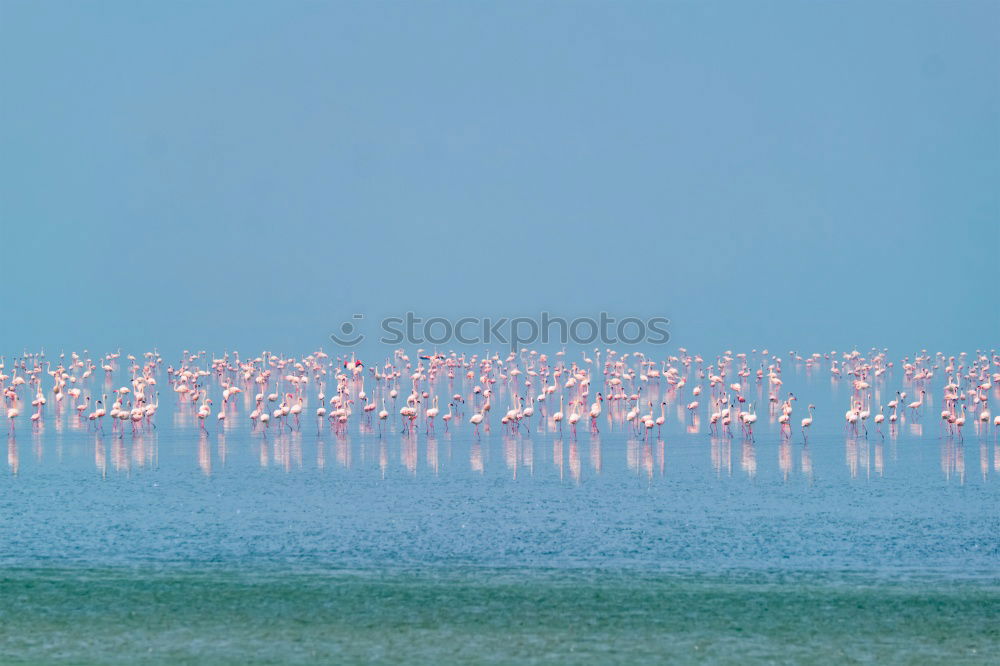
<point x="806" y="463"/>
<point x="748" y="459"/>
<point x="204" y="455"/>
<point x="722" y="455"/>
<point x="408" y="453"/>
<point x="785" y="458"/>
<point x="857" y="456"/>
<point x="865" y="457"/>
<point x="432" y="454"/>
<point x="119" y="455"/>
<point x="13" y="460"/>
<point x="343" y="451"/>
<point x="661" y="456"/>
<point x="100" y="457"/>
<point x="476" y="457"/>
<point x="595" y="453"/>
<point x="574" y="460"/>
<point x="953" y="460"/>
<point x="510" y="454"/>
<point x="625" y="491"/>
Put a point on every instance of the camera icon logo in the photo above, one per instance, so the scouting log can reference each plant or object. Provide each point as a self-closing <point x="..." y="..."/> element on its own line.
<point x="349" y="335"/>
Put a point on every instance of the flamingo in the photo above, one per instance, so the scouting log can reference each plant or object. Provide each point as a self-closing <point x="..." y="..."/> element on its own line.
<point x="447" y="417"/>
<point x="295" y="410"/>
<point x="431" y="413"/>
<point x="595" y="412"/>
<point x="727" y="419"/>
<point x="808" y="421"/>
<point x="203" y="412"/>
<point x="851" y="416"/>
<point x="477" y="418"/>
<point x="558" y="416"/>
<point x="574" y="415"/>
<point x="529" y="411"/>
<point x="866" y="412"/>
<point x="715" y="416"/>
<point x="984" y="417"/>
<point x="750" y="419"/>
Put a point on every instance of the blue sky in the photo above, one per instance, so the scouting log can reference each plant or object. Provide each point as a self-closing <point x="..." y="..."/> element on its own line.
<point x="216" y="175"/>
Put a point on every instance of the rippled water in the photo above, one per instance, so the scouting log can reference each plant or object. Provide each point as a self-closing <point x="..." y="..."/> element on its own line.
<point x="232" y="545"/>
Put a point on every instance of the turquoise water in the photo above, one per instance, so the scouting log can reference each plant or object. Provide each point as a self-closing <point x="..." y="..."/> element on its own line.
<point x="231" y="546"/>
<point x="490" y="616"/>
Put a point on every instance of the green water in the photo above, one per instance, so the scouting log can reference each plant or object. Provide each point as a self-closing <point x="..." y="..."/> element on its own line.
<point x="490" y="616"/>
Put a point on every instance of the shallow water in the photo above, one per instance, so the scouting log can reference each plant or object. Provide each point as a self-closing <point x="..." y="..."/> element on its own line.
<point x="535" y="615"/>
<point x="237" y="546"/>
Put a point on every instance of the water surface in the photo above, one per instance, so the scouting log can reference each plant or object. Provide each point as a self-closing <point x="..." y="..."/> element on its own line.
<point x="232" y="545"/>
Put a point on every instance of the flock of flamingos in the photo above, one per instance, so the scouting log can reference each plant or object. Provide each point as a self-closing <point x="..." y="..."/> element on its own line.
<point x="334" y="392"/>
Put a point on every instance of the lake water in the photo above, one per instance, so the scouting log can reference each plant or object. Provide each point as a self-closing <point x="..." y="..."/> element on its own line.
<point x="240" y="546"/>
